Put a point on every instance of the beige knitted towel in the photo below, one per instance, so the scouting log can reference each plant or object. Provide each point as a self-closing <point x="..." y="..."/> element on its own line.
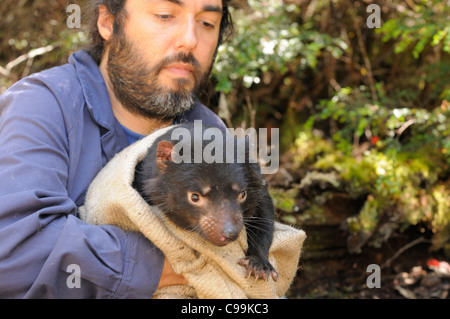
<point x="212" y="272"/>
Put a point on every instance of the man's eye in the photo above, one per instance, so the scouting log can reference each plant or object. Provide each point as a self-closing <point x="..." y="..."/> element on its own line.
<point x="208" y="25"/>
<point x="163" y="17"/>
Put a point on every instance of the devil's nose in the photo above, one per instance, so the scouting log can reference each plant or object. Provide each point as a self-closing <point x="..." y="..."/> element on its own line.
<point x="230" y="232"/>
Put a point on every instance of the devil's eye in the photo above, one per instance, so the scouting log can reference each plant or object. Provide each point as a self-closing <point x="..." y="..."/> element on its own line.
<point x="195" y="198"/>
<point x="242" y="195"/>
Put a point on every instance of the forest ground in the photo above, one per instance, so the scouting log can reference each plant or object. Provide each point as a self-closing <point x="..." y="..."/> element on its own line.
<point x="344" y="277"/>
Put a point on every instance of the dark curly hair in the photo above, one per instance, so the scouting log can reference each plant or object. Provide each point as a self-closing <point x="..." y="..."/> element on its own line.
<point x="115" y="7"/>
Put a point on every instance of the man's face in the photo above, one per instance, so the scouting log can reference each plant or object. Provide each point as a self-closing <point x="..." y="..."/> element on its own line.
<point x="163" y="55"/>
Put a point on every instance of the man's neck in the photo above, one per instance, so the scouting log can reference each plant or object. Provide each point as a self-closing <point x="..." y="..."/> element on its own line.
<point x="133" y="122"/>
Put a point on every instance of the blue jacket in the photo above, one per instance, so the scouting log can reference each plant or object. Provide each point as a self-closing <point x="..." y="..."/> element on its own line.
<point x="57" y="130"/>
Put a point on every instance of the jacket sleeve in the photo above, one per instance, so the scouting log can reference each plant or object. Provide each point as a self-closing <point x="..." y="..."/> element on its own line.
<point x="45" y="250"/>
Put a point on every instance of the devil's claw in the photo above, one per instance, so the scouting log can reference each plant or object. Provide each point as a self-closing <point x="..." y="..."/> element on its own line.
<point x="258" y="268"/>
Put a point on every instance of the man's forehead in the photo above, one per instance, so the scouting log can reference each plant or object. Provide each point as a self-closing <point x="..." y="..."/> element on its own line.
<point x="208" y="5"/>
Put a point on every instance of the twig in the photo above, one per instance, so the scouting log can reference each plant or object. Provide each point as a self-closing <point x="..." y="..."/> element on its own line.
<point x="410" y="4"/>
<point x="368" y="65"/>
<point x="224" y="110"/>
<point x="366" y="61"/>
<point x="405" y="126"/>
<point x="6" y="71"/>
<point x="251" y="110"/>
<point x="388" y="262"/>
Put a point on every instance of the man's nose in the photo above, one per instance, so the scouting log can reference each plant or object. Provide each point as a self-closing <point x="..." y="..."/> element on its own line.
<point x="187" y="39"/>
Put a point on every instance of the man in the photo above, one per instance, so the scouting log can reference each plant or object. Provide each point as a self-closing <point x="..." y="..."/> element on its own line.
<point x="58" y="128"/>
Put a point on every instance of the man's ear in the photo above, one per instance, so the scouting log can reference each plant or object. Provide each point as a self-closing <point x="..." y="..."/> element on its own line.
<point x="105" y="22"/>
<point x="164" y="154"/>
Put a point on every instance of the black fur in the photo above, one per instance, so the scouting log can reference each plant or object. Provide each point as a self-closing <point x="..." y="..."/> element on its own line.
<point x="168" y="188"/>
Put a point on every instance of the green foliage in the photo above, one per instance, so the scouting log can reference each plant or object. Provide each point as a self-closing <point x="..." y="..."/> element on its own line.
<point x="269" y="40"/>
<point x="427" y="24"/>
<point x="397" y="158"/>
<point x="357" y="119"/>
<point x="284" y="200"/>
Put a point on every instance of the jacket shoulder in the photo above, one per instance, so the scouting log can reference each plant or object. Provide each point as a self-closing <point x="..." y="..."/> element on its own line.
<point x="56" y="90"/>
<point x="203" y="113"/>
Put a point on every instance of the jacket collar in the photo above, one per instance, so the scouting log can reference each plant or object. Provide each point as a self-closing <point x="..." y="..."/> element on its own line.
<point x="98" y="103"/>
<point x="94" y="88"/>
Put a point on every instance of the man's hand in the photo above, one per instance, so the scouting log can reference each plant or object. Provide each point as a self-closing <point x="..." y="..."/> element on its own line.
<point x="169" y="277"/>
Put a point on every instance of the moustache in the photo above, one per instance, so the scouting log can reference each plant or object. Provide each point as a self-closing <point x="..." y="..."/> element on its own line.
<point x="187" y="58"/>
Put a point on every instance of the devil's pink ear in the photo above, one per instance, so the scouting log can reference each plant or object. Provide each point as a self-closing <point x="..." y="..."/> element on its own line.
<point x="163" y="154"/>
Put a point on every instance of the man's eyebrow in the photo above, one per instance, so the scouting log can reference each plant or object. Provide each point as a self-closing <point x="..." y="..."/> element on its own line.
<point x="211" y="8"/>
<point x="207" y="7"/>
<point x="177" y="2"/>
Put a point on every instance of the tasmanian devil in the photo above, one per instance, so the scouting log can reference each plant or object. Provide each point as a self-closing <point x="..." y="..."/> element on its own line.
<point x="215" y="199"/>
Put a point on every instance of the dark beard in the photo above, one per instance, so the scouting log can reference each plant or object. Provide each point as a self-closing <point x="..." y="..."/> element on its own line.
<point x="137" y="87"/>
